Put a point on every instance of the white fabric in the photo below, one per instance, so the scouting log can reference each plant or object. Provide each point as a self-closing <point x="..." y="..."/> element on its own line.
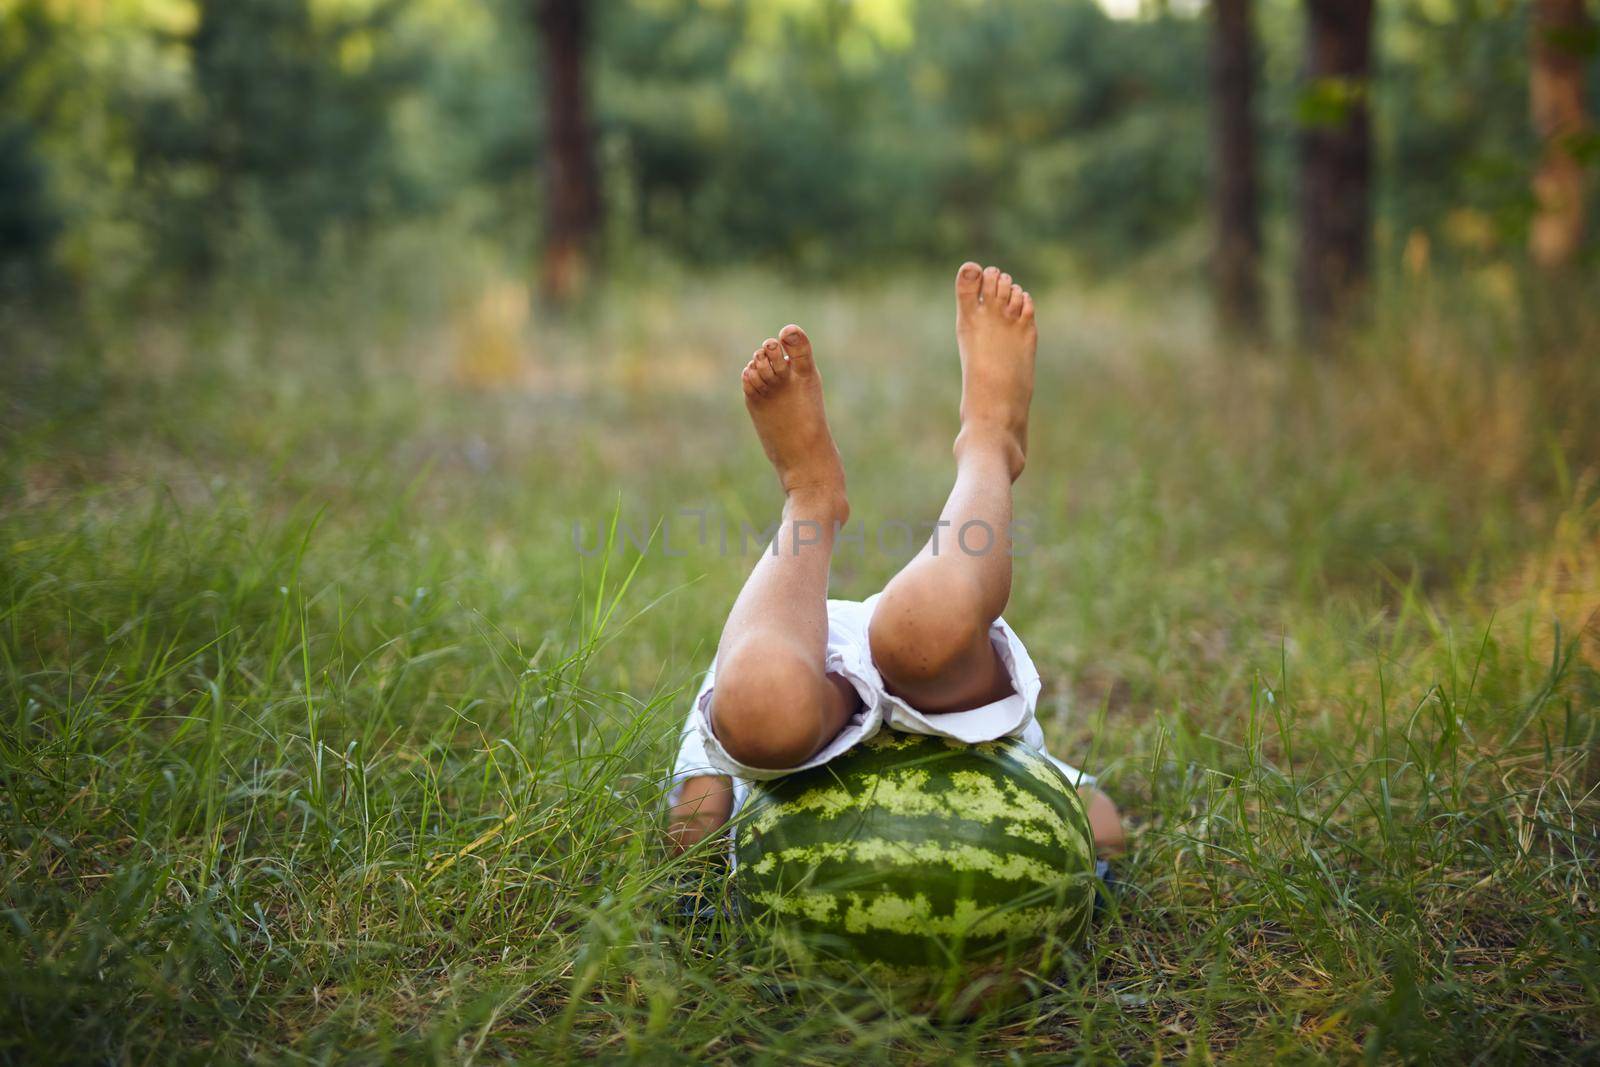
<point x="850" y="656"/>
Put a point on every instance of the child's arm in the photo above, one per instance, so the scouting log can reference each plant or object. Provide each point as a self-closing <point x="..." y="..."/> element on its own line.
<point x="701" y="798"/>
<point x="700" y="807"/>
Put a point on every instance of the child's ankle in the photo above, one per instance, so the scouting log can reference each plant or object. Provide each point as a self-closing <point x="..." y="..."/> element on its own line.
<point x="823" y="503"/>
<point x="986" y="444"/>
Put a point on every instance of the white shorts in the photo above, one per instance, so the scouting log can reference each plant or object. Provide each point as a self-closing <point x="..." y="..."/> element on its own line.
<point x="850" y="656"/>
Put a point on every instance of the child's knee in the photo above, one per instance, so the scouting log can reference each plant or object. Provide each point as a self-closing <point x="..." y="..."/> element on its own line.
<point x="918" y="642"/>
<point x="766" y="708"/>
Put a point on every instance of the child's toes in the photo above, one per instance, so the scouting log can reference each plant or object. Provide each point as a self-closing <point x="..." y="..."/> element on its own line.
<point x="797" y="346"/>
<point x="1014" y="305"/>
<point x="764" y="367"/>
<point x="969" y="281"/>
<point x="991" y="283"/>
<point x="762" y="370"/>
<point x="774" y="353"/>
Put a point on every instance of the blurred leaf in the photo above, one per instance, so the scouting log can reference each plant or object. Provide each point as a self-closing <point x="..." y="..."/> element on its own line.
<point x="1327" y="102"/>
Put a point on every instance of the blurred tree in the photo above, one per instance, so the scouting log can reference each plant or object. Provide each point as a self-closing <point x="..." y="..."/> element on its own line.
<point x="831" y="135"/>
<point x="1562" y="38"/>
<point x="1237" y="252"/>
<point x="1335" y="162"/>
<point x="287" y="133"/>
<point x="572" y="181"/>
<point x="138" y="138"/>
<point x="29" y="219"/>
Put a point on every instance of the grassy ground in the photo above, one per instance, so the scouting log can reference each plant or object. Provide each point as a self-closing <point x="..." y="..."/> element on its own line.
<point x="322" y="740"/>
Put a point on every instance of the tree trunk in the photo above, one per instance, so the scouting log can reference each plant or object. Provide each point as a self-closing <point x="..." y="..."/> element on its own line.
<point x="1237" y="253"/>
<point x="572" y="188"/>
<point x="1335" y="164"/>
<point x="1559" y="39"/>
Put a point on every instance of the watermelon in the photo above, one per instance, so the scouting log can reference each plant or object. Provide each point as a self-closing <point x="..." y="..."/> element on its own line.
<point x="917" y="855"/>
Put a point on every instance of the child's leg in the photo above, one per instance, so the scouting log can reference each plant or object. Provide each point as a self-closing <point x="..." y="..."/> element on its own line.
<point x="773" y="706"/>
<point x="930" y="629"/>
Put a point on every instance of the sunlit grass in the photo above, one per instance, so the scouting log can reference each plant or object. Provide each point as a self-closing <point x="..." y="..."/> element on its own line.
<point x="324" y="741"/>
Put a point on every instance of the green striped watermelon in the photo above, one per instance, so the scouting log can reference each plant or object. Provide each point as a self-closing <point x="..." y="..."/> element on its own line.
<point x="912" y="853"/>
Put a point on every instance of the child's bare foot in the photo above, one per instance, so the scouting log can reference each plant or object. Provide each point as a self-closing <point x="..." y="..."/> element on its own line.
<point x="783" y="391"/>
<point x="997" y="338"/>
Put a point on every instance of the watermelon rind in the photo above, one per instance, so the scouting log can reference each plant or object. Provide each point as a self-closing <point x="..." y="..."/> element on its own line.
<point x="919" y="859"/>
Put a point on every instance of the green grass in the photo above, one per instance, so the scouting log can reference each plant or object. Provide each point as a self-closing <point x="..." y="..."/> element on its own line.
<point x="322" y="742"/>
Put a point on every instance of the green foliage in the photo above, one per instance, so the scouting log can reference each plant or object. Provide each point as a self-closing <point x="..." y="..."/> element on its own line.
<point x="1328" y="102"/>
<point x="812" y="135"/>
<point x="287" y="125"/>
<point x="1007" y="127"/>
<point x="1452" y="122"/>
<point x="29" y="218"/>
